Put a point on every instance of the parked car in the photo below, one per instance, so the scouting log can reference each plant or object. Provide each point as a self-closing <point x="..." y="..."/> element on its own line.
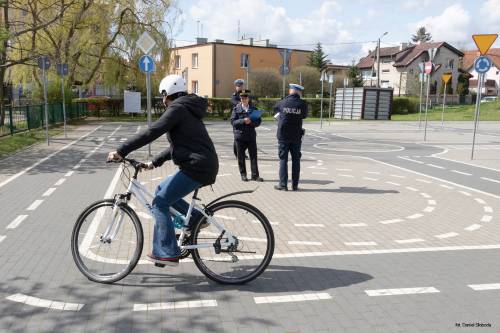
<point x="489" y="99"/>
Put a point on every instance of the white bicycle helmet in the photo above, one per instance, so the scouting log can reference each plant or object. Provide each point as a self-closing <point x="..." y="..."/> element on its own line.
<point x="172" y="84"/>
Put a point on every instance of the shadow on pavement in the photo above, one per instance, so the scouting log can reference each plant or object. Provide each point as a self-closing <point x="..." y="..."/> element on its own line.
<point x="358" y="190"/>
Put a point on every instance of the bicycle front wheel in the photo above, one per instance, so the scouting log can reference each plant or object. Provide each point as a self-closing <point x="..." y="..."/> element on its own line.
<point x="251" y="254"/>
<point x="107" y="260"/>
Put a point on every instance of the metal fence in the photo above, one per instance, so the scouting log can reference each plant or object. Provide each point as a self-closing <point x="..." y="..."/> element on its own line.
<point x="24" y="118"/>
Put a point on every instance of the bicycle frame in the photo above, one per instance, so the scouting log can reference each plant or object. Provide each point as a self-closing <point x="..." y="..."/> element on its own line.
<point x="142" y="194"/>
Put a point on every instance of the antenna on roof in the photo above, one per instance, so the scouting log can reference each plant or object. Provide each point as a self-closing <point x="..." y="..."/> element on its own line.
<point x="238" y="37"/>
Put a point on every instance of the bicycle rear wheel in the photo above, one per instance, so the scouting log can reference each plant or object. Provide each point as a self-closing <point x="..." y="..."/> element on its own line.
<point x="106" y="261"/>
<point x="254" y="248"/>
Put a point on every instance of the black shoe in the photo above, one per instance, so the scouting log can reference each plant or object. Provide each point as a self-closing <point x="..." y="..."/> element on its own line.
<point x="244" y="178"/>
<point x="258" y="179"/>
<point x="162" y="262"/>
<point x="280" y="188"/>
<point x="295" y="188"/>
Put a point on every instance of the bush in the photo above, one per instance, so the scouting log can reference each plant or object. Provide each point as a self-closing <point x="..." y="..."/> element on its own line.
<point x="219" y="106"/>
<point x="54" y="93"/>
<point x="405" y="105"/>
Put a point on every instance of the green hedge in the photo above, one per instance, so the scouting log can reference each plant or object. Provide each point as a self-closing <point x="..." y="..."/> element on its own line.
<point x="405" y="105"/>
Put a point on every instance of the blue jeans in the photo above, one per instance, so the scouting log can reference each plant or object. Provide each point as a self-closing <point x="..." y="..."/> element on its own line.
<point x="294" y="149"/>
<point x="169" y="193"/>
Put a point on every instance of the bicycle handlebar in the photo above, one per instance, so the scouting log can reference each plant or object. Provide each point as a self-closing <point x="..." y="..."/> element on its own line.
<point x="136" y="164"/>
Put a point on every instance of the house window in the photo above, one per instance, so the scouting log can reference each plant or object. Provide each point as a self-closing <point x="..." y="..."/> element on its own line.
<point x="194" y="60"/>
<point x="385" y="71"/>
<point x="177" y="62"/>
<point x="411" y="71"/>
<point x="450" y="63"/>
<point x="244" y="60"/>
<point x="194" y="87"/>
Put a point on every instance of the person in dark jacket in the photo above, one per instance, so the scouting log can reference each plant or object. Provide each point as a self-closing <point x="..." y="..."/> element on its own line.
<point x="235" y="100"/>
<point x="244" y="125"/>
<point x="291" y="111"/>
<point x="191" y="149"/>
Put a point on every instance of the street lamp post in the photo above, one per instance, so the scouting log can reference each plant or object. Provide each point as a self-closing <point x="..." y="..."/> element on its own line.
<point x="378" y="59"/>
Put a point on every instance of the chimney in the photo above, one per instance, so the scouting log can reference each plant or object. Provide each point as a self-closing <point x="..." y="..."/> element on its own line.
<point x="220" y="41"/>
<point x="200" y="40"/>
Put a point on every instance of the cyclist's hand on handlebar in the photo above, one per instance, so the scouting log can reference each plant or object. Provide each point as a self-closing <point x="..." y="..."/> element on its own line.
<point x="114" y="157"/>
<point x="148" y="166"/>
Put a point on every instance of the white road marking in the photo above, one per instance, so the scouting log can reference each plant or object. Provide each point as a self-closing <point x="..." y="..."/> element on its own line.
<point x="486" y="218"/>
<point x="224" y="174"/>
<point x="35" y="205"/>
<point x="462" y="173"/>
<point x="144" y="215"/>
<point x="397" y="176"/>
<point x="49" y="192"/>
<point x="401" y="291"/>
<point x="272" y="223"/>
<point x="411" y="188"/>
<point x="411" y="160"/>
<point x="304" y="243"/>
<point x="423" y="181"/>
<point x="485" y="286"/>
<point x="373" y="172"/>
<point x="77" y="166"/>
<point x="352" y="225"/>
<point x="2" y="238"/>
<point x="491" y="180"/>
<point x="465" y="193"/>
<point x="360" y="243"/>
<point x="393" y="183"/>
<point x="46" y="158"/>
<point x="372" y="179"/>
<point x="406" y="241"/>
<point x="292" y="298"/>
<point x="319" y="173"/>
<point x="157" y="178"/>
<point x="428" y="209"/>
<point x="69" y="173"/>
<point x="342" y="175"/>
<point x="431" y="202"/>
<point x="425" y="195"/>
<point x="446" y="186"/>
<point x="447" y="235"/>
<point x="17" y="221"/>
<point x="480" y="201"/>
<point x="414" y="216"/>
<point x="435" y="166"/>
<point x="473" y="227"/>
<point x="60" y="181"/>
<point x="391" y="221"/>
<point x="338" y="169"/>
<point x="309" y="225"/>
<point x="144" y="183"/>
<point x="138" y="129"/>
<point x="225" y="217"/>
<point x="175" y="305"/>
<point x="45" y="303"/>
<point x="112" y="139"/>
<point x="488" y="209"/>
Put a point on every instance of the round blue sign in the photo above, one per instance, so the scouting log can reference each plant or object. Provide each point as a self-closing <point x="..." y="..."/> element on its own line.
<point x="146" y="64"/>
<point x="482" y="64"/>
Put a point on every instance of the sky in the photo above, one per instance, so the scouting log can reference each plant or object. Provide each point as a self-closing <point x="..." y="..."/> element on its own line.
<point x="346" y="28"/>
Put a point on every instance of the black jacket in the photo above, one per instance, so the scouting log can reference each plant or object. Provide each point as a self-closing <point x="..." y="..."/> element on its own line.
<point x="190" y="145"/>
<point x="242" y="131"/>
<point x="292" y="110"/>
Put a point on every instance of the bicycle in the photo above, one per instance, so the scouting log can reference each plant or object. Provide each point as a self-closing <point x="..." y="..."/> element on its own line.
<point x="108" y="238"/>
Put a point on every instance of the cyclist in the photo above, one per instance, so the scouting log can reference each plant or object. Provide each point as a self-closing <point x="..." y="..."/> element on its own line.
<point x="190" y="148"/>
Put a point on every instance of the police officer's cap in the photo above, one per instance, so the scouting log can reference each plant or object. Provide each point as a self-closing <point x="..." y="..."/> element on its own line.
<point x="239" y="82"/>
<point x="245" y="93"/>
<point x="297" y="87"/>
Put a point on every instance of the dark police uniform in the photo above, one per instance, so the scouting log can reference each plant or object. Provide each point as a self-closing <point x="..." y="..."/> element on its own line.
<point x="245" y="138"/>
<point x="292" y="110"/>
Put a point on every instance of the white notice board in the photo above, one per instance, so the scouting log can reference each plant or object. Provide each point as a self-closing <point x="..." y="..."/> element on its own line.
<point x="132" y="101"/>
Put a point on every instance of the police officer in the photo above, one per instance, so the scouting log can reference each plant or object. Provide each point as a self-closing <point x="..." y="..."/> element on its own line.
<point x="235" y="100"/>
<point x="291" y="111"/>
<point x="244" y="120"/>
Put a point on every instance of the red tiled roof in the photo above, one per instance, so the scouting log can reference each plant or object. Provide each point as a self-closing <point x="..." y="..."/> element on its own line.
<point x="407" y="56"/>
<point x="488" y="83"/>
<point x="470" y="56"/>
<point x="367" y="62"/>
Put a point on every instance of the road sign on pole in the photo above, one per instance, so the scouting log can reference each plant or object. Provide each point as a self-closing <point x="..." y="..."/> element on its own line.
<point x="428" y="70"/>
<point x="62" y="69"/>
<point x="446" y="78"/>
<point x="44" y="65"/>
<point x="146" y="42"/>
<point x="421" y="77"/>
<point x="478" y="110"/>
<point x="482" y="64"/>
<point x="331" y="80"/>
<point x="484" y="42"/>
<point x="285" y="66"/>
<point x="428" y="67"/>
<point x="322" y="79"/>
<point x="146" y="64"/>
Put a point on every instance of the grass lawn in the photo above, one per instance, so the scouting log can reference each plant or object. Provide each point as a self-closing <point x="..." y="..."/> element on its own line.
<point x="11" y="144"/>
<point x="489" y="111"/>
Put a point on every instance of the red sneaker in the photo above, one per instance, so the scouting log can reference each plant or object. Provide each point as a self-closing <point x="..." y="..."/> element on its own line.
<point x="162" y="262"/>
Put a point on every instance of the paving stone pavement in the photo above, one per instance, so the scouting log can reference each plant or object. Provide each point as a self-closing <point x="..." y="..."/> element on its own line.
<point x="368" y="244"/>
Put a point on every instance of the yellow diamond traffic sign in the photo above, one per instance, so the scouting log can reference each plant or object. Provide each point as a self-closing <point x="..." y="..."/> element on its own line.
<point x="446" y="77"/>
<point x="484" y="42"/>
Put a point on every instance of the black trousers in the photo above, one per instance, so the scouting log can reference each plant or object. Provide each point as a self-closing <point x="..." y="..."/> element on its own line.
<point x="241" y="146"/>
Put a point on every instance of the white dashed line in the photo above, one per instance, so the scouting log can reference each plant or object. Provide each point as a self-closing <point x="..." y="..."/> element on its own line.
<point x="292" y="298"/>
<point x="428" y="209"/>
<point x="360" y="243"/>
<point x="304" y="243"/>
<point x="69" y="173"/>
<point x="397" y="176"/>
<point x="488" y="209"/>
<point x="372" y="179"/>
<point x="465" y="193"/>
<point x="319" y="173"/>
<point x="224" y="175"/>
<point x="490" y="180"/>
<point x="138" y="129"/>
<point x="312" y="225"/>
<point x="272" y="223"/>
<point x="17" y="221"/>
<point x="462" y="173"/>
<point x="225" y="217"/>
<point x="435" y="166"/>
<point x="352" y="225"/>
<point x="401" y="291"/>
<point x="373" y="172"/>
<point x="431" y="202"/>
<point x="35" y="205"/>
<point x="144" y="183"/>
<point x="447" y="235"/>
<point x="393" y="183"/>
<point x="157" y="178"/>
<point x="480" y="201"/>
<point x="473" y="227"/>
<point x="407" y="241"/>
<point x="486" y="218"/>
<point x="414" y="216"/>
<point x="144" y="215"/>
<point x="425" y="195"/>
<point x="423" y="181"/>
<point x="112" y="139"/>
<point x="411" y="188"/>
<point x="45" y="303"/>
<point x="2" y="238"/>
<point x="175" y="305"/>
<point x="338" y="169"/>
<point x="484" y="286"/>
<point x="77" y="166"/>
<point x="446" y="186"/>
<point x="60" y="181"/>
<point x="342" y="175"/>
<point x="391" y="221"/>
<point x="49" y="192"/>
<point x="411" y="160"/>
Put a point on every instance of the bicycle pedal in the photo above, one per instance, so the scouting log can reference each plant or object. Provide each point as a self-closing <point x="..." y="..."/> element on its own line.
<point x="159" y="265"/>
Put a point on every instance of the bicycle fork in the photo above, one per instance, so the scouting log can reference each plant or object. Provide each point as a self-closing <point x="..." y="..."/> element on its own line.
<point x="112" y="230"/>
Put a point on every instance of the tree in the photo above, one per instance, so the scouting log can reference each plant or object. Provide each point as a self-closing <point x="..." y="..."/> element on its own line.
<point x="317" y="58"/>
<point x="422" y="36"/>
<point x="266" y="82"/>
<point x="354" y="76"/>
<point x="463" y="83"/>
<point x="308" y="76"/>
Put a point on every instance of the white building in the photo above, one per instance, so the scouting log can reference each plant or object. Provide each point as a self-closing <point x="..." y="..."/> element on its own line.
<point x="492" y="77"/>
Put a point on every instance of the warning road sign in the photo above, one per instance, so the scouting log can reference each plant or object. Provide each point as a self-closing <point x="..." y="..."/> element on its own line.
<point x="446" y="77"/>
<point x="484" y="42"/>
